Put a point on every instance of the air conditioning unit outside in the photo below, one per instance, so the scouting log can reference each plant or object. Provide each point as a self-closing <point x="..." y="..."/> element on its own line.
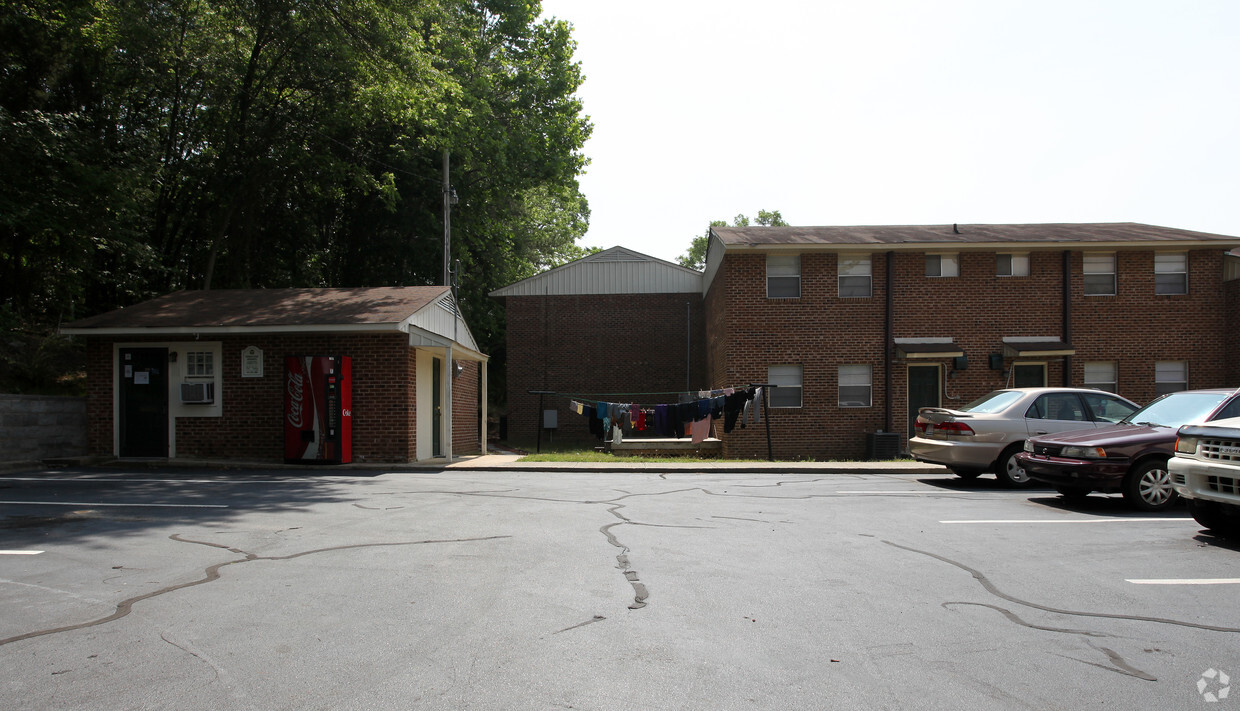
<point x="198" y="393"/>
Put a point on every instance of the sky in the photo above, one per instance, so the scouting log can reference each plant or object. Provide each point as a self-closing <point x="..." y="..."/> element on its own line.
<point x="903" y="112"/>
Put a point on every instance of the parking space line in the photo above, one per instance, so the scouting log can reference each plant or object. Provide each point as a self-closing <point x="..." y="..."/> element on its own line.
<point x="89" y="505"/>
<point x="886" y="491"/>
<point x="20" y="552"/>
<point x="1073" y="520"/>
<point x="1184" y="581"/>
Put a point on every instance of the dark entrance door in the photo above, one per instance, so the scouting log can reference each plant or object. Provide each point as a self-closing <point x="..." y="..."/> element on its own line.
<point x="923" y="391"/>
<point x="144" y="402"/>
<point x="436" y="407"/>
<point x="1029" y="375"/>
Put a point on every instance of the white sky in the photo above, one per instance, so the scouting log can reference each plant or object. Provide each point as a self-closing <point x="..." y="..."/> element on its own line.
<point x="893" y="112"/>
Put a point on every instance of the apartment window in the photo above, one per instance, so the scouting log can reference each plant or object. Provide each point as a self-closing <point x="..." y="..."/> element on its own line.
<point x="854" y="272"/>
<point x="1012" y="264"/>
<point x="1101" y="376"/>
<point x="855" y="388"/>
<point x="1099" y="269"/>
<point x="1170" y="376"/>
<point x="942" y="265"/>
<point x="783" y="276"/>
<point x="788" y="378"/>
<point x="1171" y="273"/>
<point x="200" y="364"/>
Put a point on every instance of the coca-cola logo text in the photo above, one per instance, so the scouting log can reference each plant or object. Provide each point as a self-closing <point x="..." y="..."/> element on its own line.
<point x="296" y="394"/>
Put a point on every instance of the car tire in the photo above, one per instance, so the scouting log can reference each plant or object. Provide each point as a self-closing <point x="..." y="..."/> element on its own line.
<point x="1211" y="516"/>
<point x="1148" y="486"/>
<point x="1007" y="471"/>
<point x="966" y="474"/>
<point x="1073" y="493"/>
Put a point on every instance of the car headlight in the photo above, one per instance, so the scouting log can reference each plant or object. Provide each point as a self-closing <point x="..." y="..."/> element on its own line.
<point x="1186" y="445"/>
<point x="1084" y="452"/>
<point x="1028" y="445"/>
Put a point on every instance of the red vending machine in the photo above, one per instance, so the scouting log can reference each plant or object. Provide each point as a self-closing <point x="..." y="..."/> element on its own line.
<point x="318" y="409"/>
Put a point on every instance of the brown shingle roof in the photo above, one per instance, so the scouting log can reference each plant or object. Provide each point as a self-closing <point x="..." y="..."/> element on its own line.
<point x="270" y="308"/>
<point x="947" y="235"/>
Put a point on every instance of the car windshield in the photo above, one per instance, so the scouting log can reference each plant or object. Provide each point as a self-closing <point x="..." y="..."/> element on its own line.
<point x="993" y="402"/>
<point x="1176" y="409"/>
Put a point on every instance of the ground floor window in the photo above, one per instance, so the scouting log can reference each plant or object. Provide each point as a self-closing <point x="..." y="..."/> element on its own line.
<point x="788" y="378"/>
<point x="1170" y="376"/>
<point x="855" y="386"/>
<point x="1101" y="376"/>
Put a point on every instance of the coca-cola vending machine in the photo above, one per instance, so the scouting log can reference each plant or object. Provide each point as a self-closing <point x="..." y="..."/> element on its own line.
<point x="318" y="409"/>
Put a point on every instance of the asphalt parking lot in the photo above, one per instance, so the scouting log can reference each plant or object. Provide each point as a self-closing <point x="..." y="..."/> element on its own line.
<point x="156" y="589"/>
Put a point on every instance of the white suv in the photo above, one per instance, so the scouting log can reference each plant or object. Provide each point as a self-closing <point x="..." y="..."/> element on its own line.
<point x="1206" y="472"/>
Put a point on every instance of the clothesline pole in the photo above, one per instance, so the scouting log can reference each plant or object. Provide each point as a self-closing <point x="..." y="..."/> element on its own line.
<point x="770" y="455"/>
<point x="538" y="418"/>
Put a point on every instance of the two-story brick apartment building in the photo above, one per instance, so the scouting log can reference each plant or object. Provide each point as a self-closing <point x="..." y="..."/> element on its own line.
<point x="860" y="326"/>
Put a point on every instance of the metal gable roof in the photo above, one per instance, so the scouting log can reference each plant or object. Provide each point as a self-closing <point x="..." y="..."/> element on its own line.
<point x="611" y="271"/>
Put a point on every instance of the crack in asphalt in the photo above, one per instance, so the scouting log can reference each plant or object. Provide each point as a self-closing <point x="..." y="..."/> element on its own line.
<point x="596" y="618"/>
<point x="1013" y="617"/>
<point x="212" y="573"/>
<point x="993" y="590"/>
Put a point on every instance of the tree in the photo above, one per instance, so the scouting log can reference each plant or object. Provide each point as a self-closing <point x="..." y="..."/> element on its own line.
<point x="695" y="257"/>
<point x="266" y="143"/>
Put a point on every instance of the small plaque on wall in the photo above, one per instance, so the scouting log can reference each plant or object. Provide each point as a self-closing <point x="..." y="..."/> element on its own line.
<point x="252" y="362"/>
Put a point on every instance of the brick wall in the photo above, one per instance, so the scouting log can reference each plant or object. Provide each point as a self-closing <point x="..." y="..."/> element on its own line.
<point x="467" y="409"/>
<point x="1231" y="337"/>
<point x="251" y="425"/>
<point x="34" y="427"/>
<point x="820" y="332"/>
<point x="594" y="344"/>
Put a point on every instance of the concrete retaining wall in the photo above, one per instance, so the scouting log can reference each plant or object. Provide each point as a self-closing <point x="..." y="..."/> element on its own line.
<point x="36" y="427"/>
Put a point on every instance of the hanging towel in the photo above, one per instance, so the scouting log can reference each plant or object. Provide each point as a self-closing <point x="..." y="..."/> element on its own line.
<point x="701" y="430"/>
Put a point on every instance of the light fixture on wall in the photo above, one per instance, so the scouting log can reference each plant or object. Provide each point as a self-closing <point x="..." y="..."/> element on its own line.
<point x="172" y="356"/>
<point x="457" y="368"/>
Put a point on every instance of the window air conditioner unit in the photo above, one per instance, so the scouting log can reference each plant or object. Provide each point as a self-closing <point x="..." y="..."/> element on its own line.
<point x="198" y="393"/>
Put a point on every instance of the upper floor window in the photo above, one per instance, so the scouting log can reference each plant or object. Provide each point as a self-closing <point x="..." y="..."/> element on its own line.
<point x="1170" y="376"/>
<point x="200" y="364"/>
<point x="854" y="270"/>
<point x="855" y="386"/>
<point x="788" y="380"/>
<point x="942" y="265"/>
<point x="1012" y="264"/>
<point x="1099" y="269"/>
<point x="783" y="276"/>
<point x="1171" y="273"/>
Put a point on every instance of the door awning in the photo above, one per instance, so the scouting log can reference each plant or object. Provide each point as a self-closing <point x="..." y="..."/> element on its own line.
<point x="1036" y="348"/>
<point x="937" y="348"/>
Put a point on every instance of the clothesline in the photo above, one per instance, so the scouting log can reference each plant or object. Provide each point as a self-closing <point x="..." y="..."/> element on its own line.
<point x="686" y="394"/>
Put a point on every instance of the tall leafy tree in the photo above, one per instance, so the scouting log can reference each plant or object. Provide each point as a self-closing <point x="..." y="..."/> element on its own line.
<point x="194" y="144"/>
<point x="695" y="256"/>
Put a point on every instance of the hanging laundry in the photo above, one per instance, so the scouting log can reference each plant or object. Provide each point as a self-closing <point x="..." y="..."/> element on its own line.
<point x="662" y="425"/>
<point x="594" y="424"/>
<point x="753" y="408"/>
<point x="701" y="430"/>
<point x="733" y="406"/>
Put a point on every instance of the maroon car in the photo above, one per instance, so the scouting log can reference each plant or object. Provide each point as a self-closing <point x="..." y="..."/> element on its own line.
<point x="1129" y="457"/>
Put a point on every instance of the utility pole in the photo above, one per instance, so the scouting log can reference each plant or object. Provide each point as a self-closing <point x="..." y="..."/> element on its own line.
<point x="447" y="223"/>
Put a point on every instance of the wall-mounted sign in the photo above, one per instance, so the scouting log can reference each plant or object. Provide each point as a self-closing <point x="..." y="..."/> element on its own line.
<point x="252" y="362"/>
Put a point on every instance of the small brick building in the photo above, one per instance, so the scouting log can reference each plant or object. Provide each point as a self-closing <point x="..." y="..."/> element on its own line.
<point x="410" y="352"/>
<point x="861" y="326"/>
